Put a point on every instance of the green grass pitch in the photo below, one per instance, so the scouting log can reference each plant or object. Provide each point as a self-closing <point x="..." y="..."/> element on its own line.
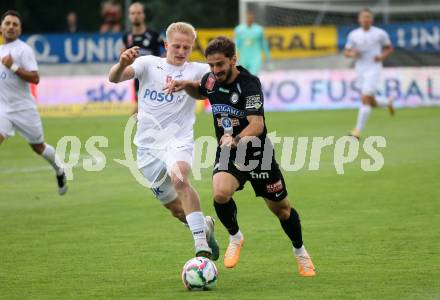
<point x="372" y="235"/>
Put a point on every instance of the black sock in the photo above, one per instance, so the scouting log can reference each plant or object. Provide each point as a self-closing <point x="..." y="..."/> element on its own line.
<point x="292" y="227"/>
<point x="227" y="213"/>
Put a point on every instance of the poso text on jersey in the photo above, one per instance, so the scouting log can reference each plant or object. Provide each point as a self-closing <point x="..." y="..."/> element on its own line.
<point x="154" y="95"/>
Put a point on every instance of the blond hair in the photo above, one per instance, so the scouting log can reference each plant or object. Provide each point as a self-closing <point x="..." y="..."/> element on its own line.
<point x="181" y="27"/>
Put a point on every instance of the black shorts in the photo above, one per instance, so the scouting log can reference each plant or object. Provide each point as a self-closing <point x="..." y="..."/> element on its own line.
<point x="268" y="184"/>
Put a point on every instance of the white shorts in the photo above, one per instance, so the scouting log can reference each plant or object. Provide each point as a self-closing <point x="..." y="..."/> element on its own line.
<point x="26" y="122"/>
<point x="368" y="81"/>
<point x="156" y="167"/>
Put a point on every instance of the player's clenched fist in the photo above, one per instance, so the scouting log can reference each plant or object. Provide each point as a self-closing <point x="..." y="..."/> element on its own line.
<point x="227" y="141"/>
<point x="175" y="86"/>
<point x="7" y="61"/>
<point x="128" y="56"/>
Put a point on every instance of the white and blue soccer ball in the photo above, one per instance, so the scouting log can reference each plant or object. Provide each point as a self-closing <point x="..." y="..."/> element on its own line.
<point x="199" y="274"/>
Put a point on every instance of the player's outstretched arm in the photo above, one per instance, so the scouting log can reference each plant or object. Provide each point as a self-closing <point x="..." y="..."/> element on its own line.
<point x="28" y="76"/>
<point x="122" y="70"/>
<point x="190" y="87"/>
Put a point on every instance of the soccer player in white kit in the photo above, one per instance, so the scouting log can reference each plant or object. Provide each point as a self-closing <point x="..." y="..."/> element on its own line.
<point x="165" y="137"/>
<point x="370" y="46"/>
<point x="18" y="111"/>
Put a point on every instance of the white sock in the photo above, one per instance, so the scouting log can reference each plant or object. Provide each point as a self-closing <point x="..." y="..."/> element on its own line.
<point x="236" y="237"/>
<point x="196" y="223"/>
<point x="382" y="101"/>
<point x="300" y="251"/>
<point x="207" y="229"/>
<point x="53" y="159"/>
<point x="364" y="113"/>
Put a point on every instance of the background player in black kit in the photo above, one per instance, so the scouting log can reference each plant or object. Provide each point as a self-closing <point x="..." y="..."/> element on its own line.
<point x="237" y="101"/>
<point x="149" y="42"/>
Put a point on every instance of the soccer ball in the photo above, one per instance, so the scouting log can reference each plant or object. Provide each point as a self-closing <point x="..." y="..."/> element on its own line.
<point x="199" y="274"/>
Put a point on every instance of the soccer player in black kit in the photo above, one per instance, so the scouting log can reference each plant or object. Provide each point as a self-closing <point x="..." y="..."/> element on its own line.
<point x="149" y="42"/>
<point x="244" y="153"/>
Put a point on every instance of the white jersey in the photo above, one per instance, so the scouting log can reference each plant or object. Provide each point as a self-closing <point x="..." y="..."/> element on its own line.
<point x="162" y="118"/>
<point x="369" y="44"/>
<point x="15" y="93"/>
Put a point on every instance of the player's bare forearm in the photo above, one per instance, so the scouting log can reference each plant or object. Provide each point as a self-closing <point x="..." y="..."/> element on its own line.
<point x="192" y="89"/>
<point x="28" y="76"/>
<point x="116" y="73"/>
<point x="136" y="109"/>
<point x="351" y="53"/>
<point x="386" y="52"/>
<point x="122" y="70"/>
<point x="254" y="128"/>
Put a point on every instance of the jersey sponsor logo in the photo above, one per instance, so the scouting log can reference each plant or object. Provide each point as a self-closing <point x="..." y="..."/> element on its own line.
<point x="261" y="175"/>
<point x="253" y="102"/>
<point x="226" y="122"/>
<point x="227" y="125"/>
<point x="275" y="187"/>
<point x="234" y="98"/>
<point x="235" y="122"/>
<point x="161" y="97"/>
<point x="224" y="108"/>
<point x="210" y="82"/>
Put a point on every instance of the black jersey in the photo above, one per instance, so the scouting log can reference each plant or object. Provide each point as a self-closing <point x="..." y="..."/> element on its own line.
<point x="149" y="42"/>
<point x="232" y="103"/>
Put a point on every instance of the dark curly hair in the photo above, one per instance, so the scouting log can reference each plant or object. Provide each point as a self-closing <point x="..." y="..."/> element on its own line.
<point x="221" y="45"/>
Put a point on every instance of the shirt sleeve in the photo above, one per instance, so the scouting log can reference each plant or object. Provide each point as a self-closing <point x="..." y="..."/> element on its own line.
<point x="140" y="66"/>
<point x="254" y="98"/>
<point x="350" y="41"/>
<point x="28" y="61"/>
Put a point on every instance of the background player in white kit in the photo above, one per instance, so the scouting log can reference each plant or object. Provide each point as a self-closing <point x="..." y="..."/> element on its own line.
<point x="18" y="111"/>
<point x="165" y="137"/>
<point x="370" y="46"/>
